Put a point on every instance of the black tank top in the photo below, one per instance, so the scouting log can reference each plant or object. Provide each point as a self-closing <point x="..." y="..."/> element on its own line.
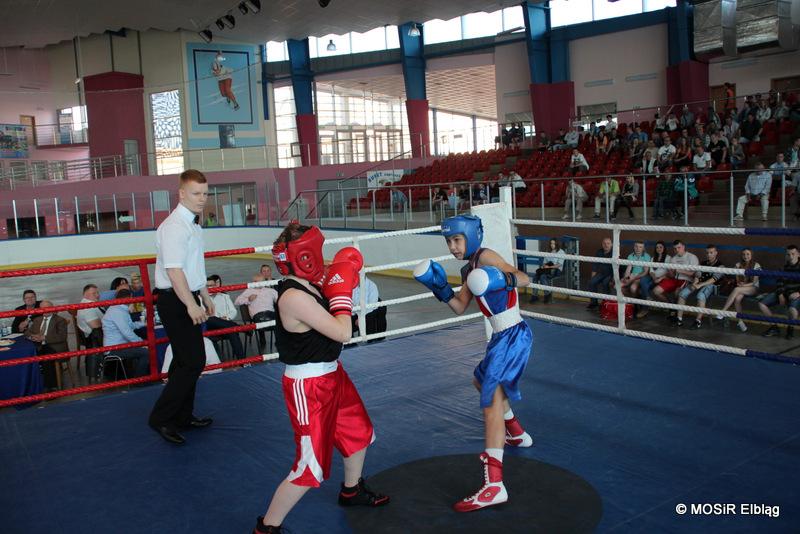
<point x="305" y="347"/>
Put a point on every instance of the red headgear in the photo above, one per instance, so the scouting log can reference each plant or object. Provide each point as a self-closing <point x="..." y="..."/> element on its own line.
<point x="302" y="257"/>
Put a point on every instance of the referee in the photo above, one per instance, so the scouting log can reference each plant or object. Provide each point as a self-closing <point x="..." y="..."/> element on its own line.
<point x="181" y="278"/>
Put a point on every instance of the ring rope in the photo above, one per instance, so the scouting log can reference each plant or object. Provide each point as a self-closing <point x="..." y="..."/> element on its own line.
<point x="635" y="227"/>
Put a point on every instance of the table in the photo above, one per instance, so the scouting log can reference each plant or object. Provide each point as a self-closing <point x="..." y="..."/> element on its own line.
<point x="20" y="380"/>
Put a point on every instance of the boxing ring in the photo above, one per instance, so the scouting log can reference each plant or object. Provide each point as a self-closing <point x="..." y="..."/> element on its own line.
<point x="627" y="428"/>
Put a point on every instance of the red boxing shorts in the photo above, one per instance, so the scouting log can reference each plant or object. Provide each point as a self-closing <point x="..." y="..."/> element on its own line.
<point x="326" y="411"/>
<point x="668" y="285"/>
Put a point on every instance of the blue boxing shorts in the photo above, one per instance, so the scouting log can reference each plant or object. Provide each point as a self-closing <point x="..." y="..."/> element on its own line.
<point x="506" y="357"/>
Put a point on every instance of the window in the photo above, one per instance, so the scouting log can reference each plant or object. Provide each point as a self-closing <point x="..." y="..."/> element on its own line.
<point x="563" y="12"/>
<point x="286" y="127"/>
<point x="369" y="41"/>
<point x="277" y="51"/>
<point x="342" y="43"/>
<point x="442" y="31"/>
<point x="603" y="9"/>
<point x="482" y="24"/>
<point x="513" y="18"/>
<point x="655" y="5"/>
<point x="165" y="108"/>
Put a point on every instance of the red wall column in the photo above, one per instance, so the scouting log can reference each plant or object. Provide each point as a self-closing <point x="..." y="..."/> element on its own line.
<point x="308" y="137"/>
<point x="115" y="109"/>
<point x="688" y="82"/>
<point x="553" y="106"/>
<point x="418" y="127"/>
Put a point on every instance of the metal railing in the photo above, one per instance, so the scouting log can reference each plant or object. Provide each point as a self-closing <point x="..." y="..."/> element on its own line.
<point x="60" y="134"/>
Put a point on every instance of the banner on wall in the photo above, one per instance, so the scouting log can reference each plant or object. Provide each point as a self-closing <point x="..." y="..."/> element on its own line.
<point x="376" y="179"/>
<point x="223" y="86"/>
<point x="13" y="141"/>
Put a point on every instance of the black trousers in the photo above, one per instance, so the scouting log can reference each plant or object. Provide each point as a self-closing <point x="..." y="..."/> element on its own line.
<point x="215" y="323"/>
<point x="176" y="404"/>
<point x="375" y="322"/>
<point x="48" y="369"/>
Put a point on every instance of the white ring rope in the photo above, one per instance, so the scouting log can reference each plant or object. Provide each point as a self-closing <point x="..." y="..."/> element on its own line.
<point x="629" y="300"/>
<point x="634" y="227"/>
<point x="620" y="261"/>
<point x="635" y="333"/>
<point x="405" y="263"/>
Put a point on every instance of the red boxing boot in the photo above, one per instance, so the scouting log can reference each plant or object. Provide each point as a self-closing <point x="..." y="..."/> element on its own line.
<point x="516" y="435"/>
<point x="492" y="492"/>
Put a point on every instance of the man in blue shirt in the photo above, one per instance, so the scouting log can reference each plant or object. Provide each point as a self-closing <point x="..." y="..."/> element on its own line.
<point x="757" y="187"/>
<point x="118" y="328"/>
<point x="376" y="317"/>
<point x="601" y="273"/>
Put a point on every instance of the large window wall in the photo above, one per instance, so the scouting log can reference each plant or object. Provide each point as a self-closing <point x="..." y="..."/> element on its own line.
<point x="455" y="132"/>
<point x="566" y="12"/>
<point x="382" y="38"/>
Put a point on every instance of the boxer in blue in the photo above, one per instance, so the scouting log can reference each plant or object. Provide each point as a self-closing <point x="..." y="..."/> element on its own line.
<point x="493" y="283"/>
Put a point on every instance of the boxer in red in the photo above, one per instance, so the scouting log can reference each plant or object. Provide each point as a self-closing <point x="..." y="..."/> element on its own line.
<point x="312" y="322"/>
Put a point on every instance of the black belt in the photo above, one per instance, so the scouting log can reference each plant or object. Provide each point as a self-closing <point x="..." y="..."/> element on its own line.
<point x="170" y="290"/>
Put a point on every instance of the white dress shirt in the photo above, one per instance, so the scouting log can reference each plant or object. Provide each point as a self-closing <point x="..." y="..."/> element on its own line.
<point x="89" y="314"/>
<point x="371" y="294"/>
<point x="223" y="306"/>
<point x="179" y="243"/>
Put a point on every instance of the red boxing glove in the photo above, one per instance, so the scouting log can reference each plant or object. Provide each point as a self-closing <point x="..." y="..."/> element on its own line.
<point x="338" y="287"/>
<point x="352" y="255"/>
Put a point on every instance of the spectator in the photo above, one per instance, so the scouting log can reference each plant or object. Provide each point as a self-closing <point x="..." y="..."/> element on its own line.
<point x="609" y="187"/>
<point x="464" y="195"/>
<point x="611" y="123"/>
<point x="118" y="329"/>
<point x="137" y="290"/>
<point x="375" y="319"/>
<point x="731" y="128"/>
<point x="89" y="321"/>
<point x="494" y="191"/>
<point x="629" y="196"/>
<point x="792" y="156"/>
<point x="21" y="323"/>
<point x="781" y="112"/>
<point x="632" y="279"/>
<point x="211" y="220"/>
<point x="505" y="136"/>
<point x="572" y="138"/>
<point x="551" y="268"/>
<point x="260" y="301"/>
<point x="786" y="293"/>
<point x="677" y="278"/>
<point x="636" y="152"/>
<point x="704" y="284"/>
<point x="575" y="196"/>
<point x="718" y="149"/>
<point x="602" y="144"/>
<point x="250" y="219"/>
<point x="666" y="154"/>
<point x="683" y="154"/>
<point x="117" y="283"/>
<point x="687" y="117"/>
<point x="602" y="273"/>
<point x="656" y="276"/>
<point x="763" y="112"/>
<point x="701" y="138"/>
<point x="780" y="170"/>
<point x="577" y="162"/>
<point x="479" y="194"/>
<point x="49" y="332"/>
<point x="543" y="142"/>
<point x="746" y="286"/>
<point x="672" y="123"/>
<point x="225" y="314"/>
<point x="452" y="198"/>
<point x="737" y="153"/>
<point x="560" y="143"/>
<point x="649" y="163"/>
<point x="685" y="181"/>
<point x="514" y="180"/>
<point x="714" y="118"/>
<point x="665" y="191"/>
<point x="751" y="130"/>
<point x="399" y="200"/>
<point x="701" y="161"/>
<point x="730" y="97"/>
<point x="659" y="123"/>
<point x="440" y="200"/>
<point x="757" y="187"/>
<point x="265" y="271"/>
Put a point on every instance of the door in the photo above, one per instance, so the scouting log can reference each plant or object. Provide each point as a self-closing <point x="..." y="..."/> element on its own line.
<point x="132" y="167"/>
<point x="29" y="121"/>
<point x="717" y="95"/>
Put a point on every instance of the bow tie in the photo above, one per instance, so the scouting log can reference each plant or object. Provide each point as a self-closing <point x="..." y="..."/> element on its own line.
<point x="196" y="219"/>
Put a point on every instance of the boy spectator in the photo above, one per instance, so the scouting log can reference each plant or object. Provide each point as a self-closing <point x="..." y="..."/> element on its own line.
<point x="751" y="130"/>
<point x="678" y="277"/>
<point x="610" y="187"/>
<point x="718" y="149"/>
<point x="602" y="273"/>
<point x="577" y="162"/>
<point x="665" y="154"/>
<point x="787" y="293"/>
<point x="572" y="138"/>
<point x="703" y="285"/>
<point x="757" y="187"/>
<point x="577" y="195"/>
<point x="630" y="192"/>
<point x="634" y="273"/>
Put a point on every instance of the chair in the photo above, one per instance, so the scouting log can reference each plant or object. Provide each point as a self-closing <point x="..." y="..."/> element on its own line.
<point x="108" y="357"/>
<point x="261" y="338"/>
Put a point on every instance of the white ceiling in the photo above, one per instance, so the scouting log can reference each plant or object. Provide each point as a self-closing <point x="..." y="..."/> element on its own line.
<point x="470" y="90"/>
<point x="37" y="23"/>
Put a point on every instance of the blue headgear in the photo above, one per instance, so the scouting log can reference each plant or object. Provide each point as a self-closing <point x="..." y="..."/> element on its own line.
<point x="469" y="226"/>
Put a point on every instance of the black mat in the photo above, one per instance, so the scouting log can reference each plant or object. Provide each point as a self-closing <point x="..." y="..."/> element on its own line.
<point x="542" y="498"/>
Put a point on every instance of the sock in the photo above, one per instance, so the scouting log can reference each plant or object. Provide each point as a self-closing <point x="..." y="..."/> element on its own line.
<point x="509" y="415"/>
<point x="497" y="454"/>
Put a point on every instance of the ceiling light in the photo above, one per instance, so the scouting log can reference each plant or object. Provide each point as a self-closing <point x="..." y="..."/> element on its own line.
<point x="220" y="24"/>
<point x="229" y="21"/>
<point x="254" y="5"/>
<point x="331" y="47"/>
<point x="413" y="31"/>
<point x="243" y="9"/>
<point x="206" y="35"/>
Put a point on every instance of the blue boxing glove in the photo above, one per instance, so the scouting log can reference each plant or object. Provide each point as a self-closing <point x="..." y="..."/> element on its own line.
<point x="487" y="278"/>
<point x="432" y="275"/>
